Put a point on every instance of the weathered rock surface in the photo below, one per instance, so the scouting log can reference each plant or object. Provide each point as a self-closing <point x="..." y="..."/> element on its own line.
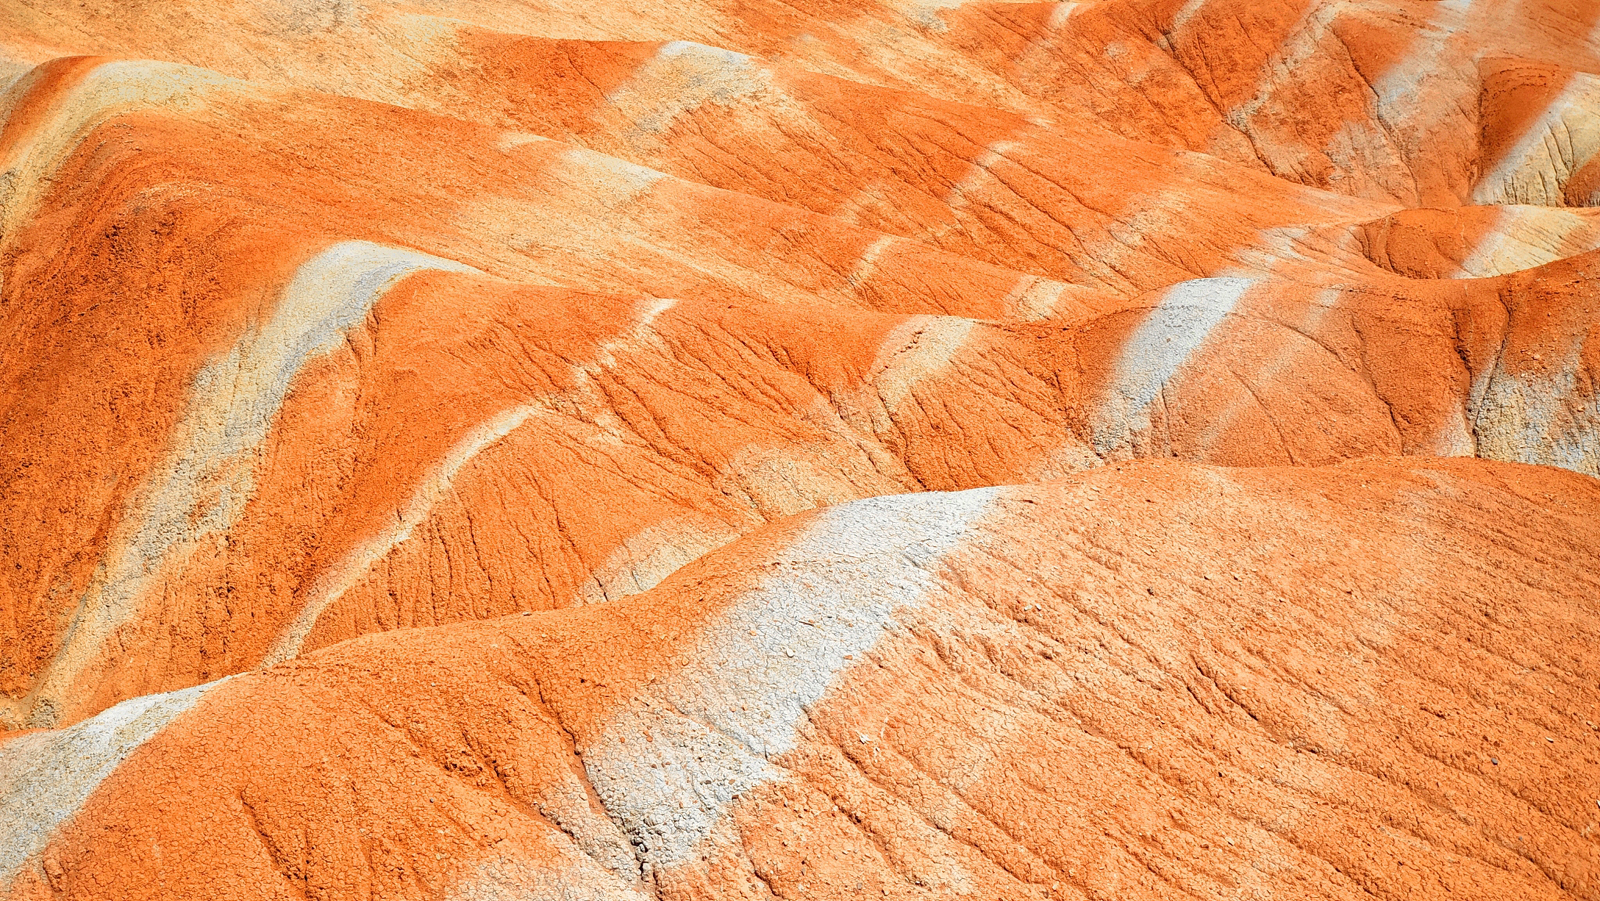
<point x="1148" y="680"/>
<point x="769" y="449"/>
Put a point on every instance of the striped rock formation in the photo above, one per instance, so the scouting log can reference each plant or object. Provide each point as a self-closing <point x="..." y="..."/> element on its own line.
<point x="1151" y="680"/>
<point x="712" y="449"/>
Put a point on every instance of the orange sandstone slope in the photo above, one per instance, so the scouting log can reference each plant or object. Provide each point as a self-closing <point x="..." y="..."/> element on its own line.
<point x="1154" y="680"/>
<point x="324" y="321"/>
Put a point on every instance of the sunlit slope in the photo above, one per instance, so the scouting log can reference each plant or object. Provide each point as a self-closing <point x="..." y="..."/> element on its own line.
<point x="1158" y="680"/>
<point x="489" y="450"/>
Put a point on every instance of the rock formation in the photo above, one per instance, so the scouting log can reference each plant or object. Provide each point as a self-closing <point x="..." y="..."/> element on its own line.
<point x="711" y="449"/>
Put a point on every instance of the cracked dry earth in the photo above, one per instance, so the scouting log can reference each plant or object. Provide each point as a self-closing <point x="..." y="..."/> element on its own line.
<point x="744" y="449"/>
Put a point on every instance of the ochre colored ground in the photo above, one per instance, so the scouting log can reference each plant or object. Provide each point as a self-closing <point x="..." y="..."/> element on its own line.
<point x="704" y="449"/>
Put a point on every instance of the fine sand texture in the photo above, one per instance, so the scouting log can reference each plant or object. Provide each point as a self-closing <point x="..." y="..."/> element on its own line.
<point x="799" y="449"/>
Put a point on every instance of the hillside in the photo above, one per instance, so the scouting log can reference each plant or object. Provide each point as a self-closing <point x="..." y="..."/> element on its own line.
<point x="741" y="448"/>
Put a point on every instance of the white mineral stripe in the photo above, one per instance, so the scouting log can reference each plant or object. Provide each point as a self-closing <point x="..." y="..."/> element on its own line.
<point x="671" y="765"/>
<point x="1557" y="144"/>
<point x="1157" y="350"/>
<point x="207" y="480"/>
<point x="333" y="584"/>
<point x="45" y="777"/>
<point x="111" y="89"/>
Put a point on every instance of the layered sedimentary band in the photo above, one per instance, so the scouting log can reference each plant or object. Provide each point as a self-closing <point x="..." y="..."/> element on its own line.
<point x="1154" y="679"/>
<point x="1127" y="448"/>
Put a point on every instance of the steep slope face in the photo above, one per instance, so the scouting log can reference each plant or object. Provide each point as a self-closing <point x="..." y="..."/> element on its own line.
<point x="1153" y="680"/>
<point x="1478" y="241"/>
<point x="456" y="446"/>
<point x="495" y="449"/>
<point x="1372" y="98"/>
<point x="298" y="409"/>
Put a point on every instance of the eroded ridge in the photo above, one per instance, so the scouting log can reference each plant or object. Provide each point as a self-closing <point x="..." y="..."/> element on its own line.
<point x="706" y="449"/>
<point x="1046" y="690"/>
